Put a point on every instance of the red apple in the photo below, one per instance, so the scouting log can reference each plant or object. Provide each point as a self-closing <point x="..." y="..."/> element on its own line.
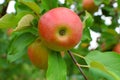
<point x="89" y="5"/>
<point x="38" y="54"/>
<point x="117" y="48"/>
<point x="60" y="29"/>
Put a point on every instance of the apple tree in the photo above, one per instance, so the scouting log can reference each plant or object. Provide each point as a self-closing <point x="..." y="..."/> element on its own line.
<point x="60" y="40"/>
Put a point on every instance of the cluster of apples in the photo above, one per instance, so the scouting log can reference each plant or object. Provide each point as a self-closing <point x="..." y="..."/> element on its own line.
<point x="60" y="29"/>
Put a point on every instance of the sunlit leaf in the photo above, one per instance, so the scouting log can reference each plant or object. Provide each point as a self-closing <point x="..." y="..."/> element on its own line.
<point x="98" y="74"/>
<point x="106" y="62"/>
<point x="24" y="22"/>
<point x="11" y="20"/>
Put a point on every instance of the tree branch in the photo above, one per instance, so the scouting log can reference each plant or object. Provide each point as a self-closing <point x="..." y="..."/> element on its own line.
<point x="78" y="65"/>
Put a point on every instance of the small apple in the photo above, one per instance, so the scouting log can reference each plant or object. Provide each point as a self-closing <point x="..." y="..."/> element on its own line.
<point x="38" y="54"/>
<point x="89" y="5"/>
<point x="9" y="31"/>
<point x="117" y="48"/>
<point x="60" y="29"/>
<point x="84" y="45"/>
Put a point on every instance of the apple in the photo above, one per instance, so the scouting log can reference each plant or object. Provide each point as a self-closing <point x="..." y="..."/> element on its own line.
<point x="89" y="5"/>
<point x="38" y="54"/>
<point x="117" y="48"/>
<point x="84" y="45"/>
<point x="60" y="29"/>
<point x="9" y="31"/>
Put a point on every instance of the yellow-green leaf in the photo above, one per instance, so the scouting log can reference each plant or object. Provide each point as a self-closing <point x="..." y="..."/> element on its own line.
<point x="24" y="22"/>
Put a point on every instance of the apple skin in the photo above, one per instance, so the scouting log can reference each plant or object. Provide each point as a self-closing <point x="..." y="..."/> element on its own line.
<point x="89" y="5"/>
<point x="60" y="29"/>
<point x="38" y="54"/>
<point x="117" y="48"/>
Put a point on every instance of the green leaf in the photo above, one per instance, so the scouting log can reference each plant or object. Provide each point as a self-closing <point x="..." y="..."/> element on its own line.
<point x="31" y="5"/>
<point x="56" y="67"/>
<point x="105" y="72"/>
<point x="107" y="42"/>
<point x="24" y="22"/>
<point x="98" y="2"/>
<point x="118" y="1"/>
<point x="11" y="20"/>
<point x="3" y="42"/>
<point x="19" y="43"/>
<point x="86" y="37"/>
<point x="88" y="20"/>
<point x="98" y="74"/>
<point x="106" y="1"/>
<point x="49" y="4"/>
<point x="106" y="62"/>
<point x="7" y="21"/>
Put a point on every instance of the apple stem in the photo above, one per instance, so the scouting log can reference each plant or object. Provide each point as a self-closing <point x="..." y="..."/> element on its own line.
<point x="84" y="66"/>
<point x="78" y="65"/>
<point x="78" y="55"/>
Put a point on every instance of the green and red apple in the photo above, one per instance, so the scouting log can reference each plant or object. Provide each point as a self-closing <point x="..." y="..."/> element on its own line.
<point x="60" y="29"/>
<point x="38" y="54"/>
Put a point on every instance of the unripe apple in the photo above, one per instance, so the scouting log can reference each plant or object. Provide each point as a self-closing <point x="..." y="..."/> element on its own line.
<point x="38" y="54"/>
<point x="60" y="29"/>
<point x="89" y="5"/>
<point x="84" y="45"/>
<point x="117" y="48"/>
